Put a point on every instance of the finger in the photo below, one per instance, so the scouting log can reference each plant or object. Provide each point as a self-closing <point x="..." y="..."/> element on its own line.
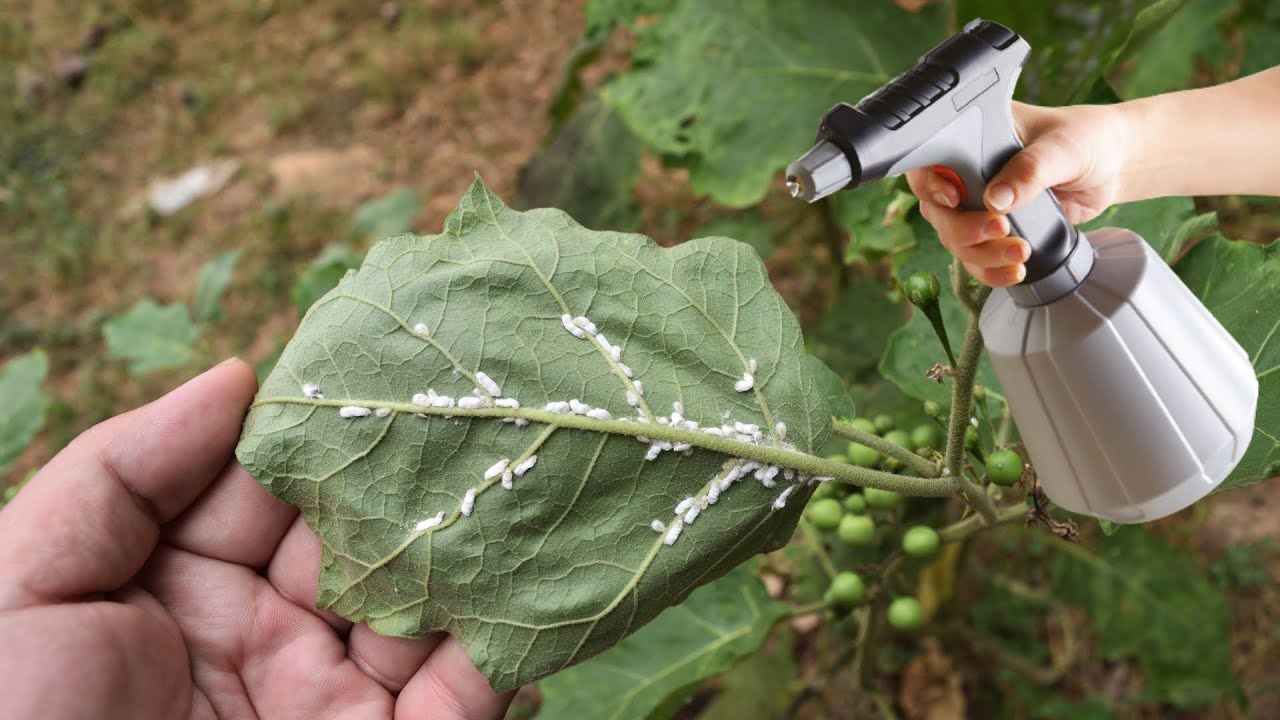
<point x="392" y="661"/>
<point x="932" y="187"/>
<point x="89" y="519"/>
<point x="999" y="276"/>
<point x="1051" y="160"/>
<point x="995" y="253"/>
<point x="235" y="520"/>
<point x="294" y="571"/>
<point x="958" y="229"/>
<point x="448" y="687"/>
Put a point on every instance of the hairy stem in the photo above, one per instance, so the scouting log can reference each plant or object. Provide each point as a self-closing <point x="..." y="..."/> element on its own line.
<point x="848" y="431"/>
<point x="973" y="524"/>
<point x="961" y="400"/>
<point x="934" y="313"/>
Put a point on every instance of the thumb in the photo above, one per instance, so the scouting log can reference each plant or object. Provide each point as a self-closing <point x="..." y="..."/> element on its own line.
<point x="1050" y="161"/>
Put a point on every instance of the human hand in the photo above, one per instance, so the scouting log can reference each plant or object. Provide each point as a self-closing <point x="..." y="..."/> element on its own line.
<point x="1078" y="152"/>
<point x="145" y="574"/>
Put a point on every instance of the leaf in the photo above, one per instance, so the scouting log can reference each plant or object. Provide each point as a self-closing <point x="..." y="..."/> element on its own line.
<point x="1168" y="60"/>
<point x="390" y="214"/>
<point x="736" y="89"/>
<point x="1150" y="601"/>
<point x="215" y="276"/>
<point x="874" y="215"/>
<point x="1162" y="222"/>
<point x="151" y="337"/>
<point x="749" y="227"/>
<point x="660" y="666"/>
<point x="761" y="686"/>
<point x="587" y="171"/>
<point x="322" y="275"/>
<point x="832" y="389"/>
<point x="566" y="564"/>
<point x="1261" y="38"/>
<point x="1240" y="284"/>
<point x="24" y="404"/>
<point x="610" y="13"/>
<point x="1074" y="42"/>
<point x="852" y="333"/>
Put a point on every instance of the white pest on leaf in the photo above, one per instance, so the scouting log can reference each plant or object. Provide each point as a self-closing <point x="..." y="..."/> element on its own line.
<point x="632" y="398"/>
<point x="488" y="384"/>
<point x="781" y="502"/>
<point x="440" y="401"/>
<point x="585" y="324"/>
<point x="558" y="407"/>
<point x="713" y="493"/>
<point x="421" y="400"/>
<point x="604" y="342"/>
<point x="673" y="533"/>
<point x="677" y="408"/>
<point x="569" y="325"/>
<point x="311" y="391"/>
<point x="578" y="407"/>
<point x="713" y="431"/>
<point x="506" y="481"/>
<point x="382" y="411"/>
<point x="429" y="522"/>
<point x="658" y="526"/>
<point x="626" y="370"/>
<point x="468" y="502"/>
<point x="352" y="411"/>
<point x="692" y="514"/>
<point x="599" y="414"/>
<point x="684" y="504"/>
<point x="780" y="429"/>
<point x="497" y="469"/>
<point x="752" y="365"/>
<point x="746" y="383"/>
<point x="422" y="331"/>
<point x="470" y="403"/>
<point x="521" y="422"/>
<point x="512" y="403"/>
<point x="615" y="353"/>
<point x="526" y="466"/>
<point x="638" y="385"/>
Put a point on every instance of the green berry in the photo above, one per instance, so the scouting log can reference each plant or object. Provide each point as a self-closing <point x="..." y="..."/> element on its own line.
<point x="932" y="409"/>
<point x="901" y="438"/>
<point x="838" y="458"/>
<point x="883" y="423"/>
<point x="971" y="437"/>
<point x="864" y="425"/>
<point x="857" y="530"/>
<point x="882" y="499"/>
<point x="854" y="503"/>
<point x="979" y="393"/>
<point x="905" y="613"/>
<point x="862" y="456"/>
<point x="1004" y="467"/>
<point x="923" y="289"/>
<point x="847" y="588"/>
<point x="824" y="490"/>
<point x="825" y="513"/>
<point x="926" y="435"/>
<point x="920" y="541"/>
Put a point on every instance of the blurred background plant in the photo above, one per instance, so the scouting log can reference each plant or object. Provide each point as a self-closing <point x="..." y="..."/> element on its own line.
<point x="179" y="182"/>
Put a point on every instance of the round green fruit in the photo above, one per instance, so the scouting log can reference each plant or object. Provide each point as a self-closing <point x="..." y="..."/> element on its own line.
<point x="883" y="423"/>
<point x="901" y="438"/>
<point x="857" y="530"/>
<point x="923" y="289"/>
<point x="972" y="437"/>
<point x="824" y="490"/>
<point x="847" y="588"/>
<point x="920" y="541"/>
<point x="825" y="513"/>
<point x="854" y="503"/>
<point x="864" y="425"/>
<point x="905" y="613"/>
<point x="1004" y="467"/>
<point x="926" y="435"/>
<point x="862" y="456"/>
<point x="932" y="409"/>
<point x="882" y="499"/>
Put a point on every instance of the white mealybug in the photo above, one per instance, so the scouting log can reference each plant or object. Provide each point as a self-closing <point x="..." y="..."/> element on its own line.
<point x="468" y="502"/>
<point x="615" y="353"/>
<point x="946" y="471"/>
<point x="752" y="365"/>
<point x="470" y="403"/>
<point x="497" y="469"/>
<point x="558" y="407"/>
<point x="422" y="331"/>
<point x="421" y="400"/>
<point x="781" y="502"/>
<point x="676" y="419"/>
<point x="639" y="386"/>
<point x="429" y="522"/>
<point x="626" y="370"/>
<point x="352" y="411"/>
<point x="382" y="412"/>
<point x="658" y="526"/>
<point x="578" y="407"/>
<point x="692" y="515"/>
<point x="822" y="478"/>
<point x="632" y="398"/>
<point x="780" y="429"/>
<point x="973" y="421"/>
<point x="440" y="401"/>
<point x="488" y="384"/>
<point x="569" y="325"/>
<point x="604" y="342"/>
<point x="506" y="481"/>
<point x="654" y="451"/>
<point x="599" y="414"/>
<point x="685" y="504"/>
<point x="311" y="391"/>
<point x="673" y="533"/>
<point x="788" y="473"/>
<point x="677" y="407"/>
<point x="746" y="383"/>
<point x="526" y="466"/>
<point x="681" y="447"/>
<point x="713" y="493"/>
<point x="746" y="428"/>
<point x="713" y="431"/>
<point x="585" y="324"/>
<point x="512" y="403"/>
<point x="521" y="422"/>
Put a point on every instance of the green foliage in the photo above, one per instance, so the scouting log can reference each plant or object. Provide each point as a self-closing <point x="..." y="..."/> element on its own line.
<point x="852" y="334"/>
<point x="387" y="215"/>
<point x="579" y="566"/>
<point x="1240" y="284"/>
<point x="831" y="388"/>
<point x="211" y="285"/>
<point x="748" y="226"/>
<point x="587" y="170"/>
<point x="1261" y="36"/>
<point x="762" y="686"/>
<point x="151" y="337"/>
<point x="1165" y="223"/>
<point x="322" y="275"/>
<point x="24" y="404"/>
<point x="650" y="673"/>
<point x="874" y="216"/>
<point x="1150" y="601"/>
<point x="1168" y="60"/>
<point x="735" y="89"/>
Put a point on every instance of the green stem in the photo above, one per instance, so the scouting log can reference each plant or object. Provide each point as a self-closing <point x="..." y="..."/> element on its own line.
<point x="768" y="454"/>
<point x="934" y="313"/>
<point x="921" y="466"/>
<point x="811" y="537"/>
<point x="973" y="524"/>
<point x="961" y="399"/>
<point x="809" y="609"/>
<point x="862" y="641"/>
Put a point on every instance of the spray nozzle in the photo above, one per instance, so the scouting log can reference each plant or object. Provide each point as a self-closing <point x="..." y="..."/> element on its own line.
<point x="819" y="172"/>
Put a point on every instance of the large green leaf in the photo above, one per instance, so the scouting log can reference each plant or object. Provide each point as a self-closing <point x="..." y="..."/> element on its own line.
<point x="323" y="274"/>
<point x="747" y="226"/>
<point x="24" y="404"/>
<point x="1163" y="222"/>
<point x="566" y="564"/>
<point x="1148" y="600"/>
<point x="1073" y="41"/>
<point x="392" y="213"/>
<point x="215" y="276"/>
<point x="1168" y="60"/>
<point x="1261" y="37"/>
<point x="737" y="88"/>
<point x="151" y="337"/>
<point x="1240" y="284"/>
<point x="832" y="388"/>
<point x="650" y="673"/>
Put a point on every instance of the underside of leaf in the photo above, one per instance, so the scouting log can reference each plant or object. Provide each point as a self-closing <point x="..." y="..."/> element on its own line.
<point x="466" y="423"/>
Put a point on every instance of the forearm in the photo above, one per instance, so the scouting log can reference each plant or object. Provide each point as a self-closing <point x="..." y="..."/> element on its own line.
<point x="1221" y="140"/>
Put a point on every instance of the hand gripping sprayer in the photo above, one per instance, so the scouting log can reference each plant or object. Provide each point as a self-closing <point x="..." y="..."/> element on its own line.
<point x="1132" y="399"/>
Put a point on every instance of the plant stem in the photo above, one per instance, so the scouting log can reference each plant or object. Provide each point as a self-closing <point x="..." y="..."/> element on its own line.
<point x="809" y="609"/>
<point x="973" y="524"/>
<point x="811" y="537"/>
<point x="862" y="641"/>
<point x="934" y="313"/>
<point x="848" y="431"/>
<point x="961" y="398"/>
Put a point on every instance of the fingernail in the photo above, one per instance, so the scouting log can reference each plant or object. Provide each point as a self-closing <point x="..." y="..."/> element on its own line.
<point x="1000" y="196"/>
<point x="942" y="199"/>
<point x="1016" y="253"/>
<point x="995" y="228"/>
<point x="1019" y="274"/>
